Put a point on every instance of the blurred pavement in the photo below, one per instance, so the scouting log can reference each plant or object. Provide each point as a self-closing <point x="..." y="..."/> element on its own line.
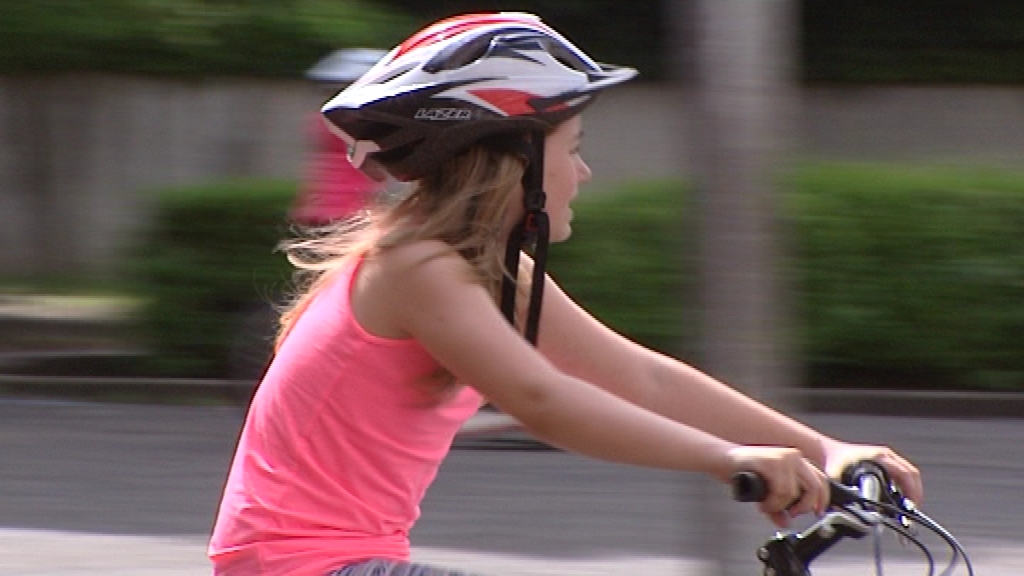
<point x="118" y="489"/>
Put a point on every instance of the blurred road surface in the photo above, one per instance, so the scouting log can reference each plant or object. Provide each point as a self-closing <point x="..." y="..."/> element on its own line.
<point x="105" y="489"/>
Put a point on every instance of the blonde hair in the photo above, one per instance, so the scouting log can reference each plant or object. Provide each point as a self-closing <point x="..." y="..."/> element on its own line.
<point x="464" y="203"/>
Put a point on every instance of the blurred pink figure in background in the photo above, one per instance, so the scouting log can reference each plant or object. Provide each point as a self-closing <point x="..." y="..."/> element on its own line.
<point x="333" y="189"/>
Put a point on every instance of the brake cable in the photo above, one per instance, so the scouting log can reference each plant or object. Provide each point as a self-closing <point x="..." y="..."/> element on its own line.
<point x="897" y="511"/>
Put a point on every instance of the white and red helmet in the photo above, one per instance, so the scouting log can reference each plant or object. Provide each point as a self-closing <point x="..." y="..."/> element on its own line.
<point x="461" y="80"/>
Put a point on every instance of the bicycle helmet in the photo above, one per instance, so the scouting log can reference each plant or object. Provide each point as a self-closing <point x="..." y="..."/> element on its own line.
<point x="457" y="82"/>
<point x="460" y="81"/>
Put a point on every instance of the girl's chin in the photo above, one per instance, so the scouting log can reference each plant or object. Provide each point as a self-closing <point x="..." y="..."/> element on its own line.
<point x="560" y="235"/>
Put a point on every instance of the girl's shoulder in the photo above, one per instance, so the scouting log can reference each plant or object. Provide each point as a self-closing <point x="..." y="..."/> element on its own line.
<point x="419" y="257"/>
<point x="397" y="285"/>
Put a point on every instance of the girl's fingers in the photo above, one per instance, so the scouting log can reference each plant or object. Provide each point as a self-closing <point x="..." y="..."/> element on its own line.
<point x="904" y="474"/>
<point x="780" y="519"/>
<point x="795" y="485"/>
<point x="814" y="491"/>
<point x="786" y="492"/>
<point x="822" y="492"/>
<point x="796" y="489"/>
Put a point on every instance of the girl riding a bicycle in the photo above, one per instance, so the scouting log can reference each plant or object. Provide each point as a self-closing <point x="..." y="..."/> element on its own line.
<point x="412" y="316"/>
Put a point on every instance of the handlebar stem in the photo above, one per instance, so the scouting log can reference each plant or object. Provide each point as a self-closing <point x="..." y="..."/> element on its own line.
<point x="790" y="554"/>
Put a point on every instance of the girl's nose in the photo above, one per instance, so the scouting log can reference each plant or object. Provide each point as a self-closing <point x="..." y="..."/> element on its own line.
<point x="584" y="171"/>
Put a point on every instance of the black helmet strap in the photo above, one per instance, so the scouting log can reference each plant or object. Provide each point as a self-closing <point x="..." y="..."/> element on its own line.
<point x="532" y="232"/>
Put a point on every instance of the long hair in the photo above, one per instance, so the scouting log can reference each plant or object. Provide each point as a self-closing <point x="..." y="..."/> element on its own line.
<point x="464" y="203"/>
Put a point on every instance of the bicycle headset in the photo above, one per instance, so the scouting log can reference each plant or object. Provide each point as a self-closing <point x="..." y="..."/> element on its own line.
<point x="466" y="80"/>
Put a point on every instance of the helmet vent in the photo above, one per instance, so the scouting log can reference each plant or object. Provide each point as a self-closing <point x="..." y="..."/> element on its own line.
<point x="458" y="55"/>
<point x="391" y="75"/>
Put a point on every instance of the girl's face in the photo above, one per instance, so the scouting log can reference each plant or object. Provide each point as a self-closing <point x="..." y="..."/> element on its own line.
<point x="564" y="171"/>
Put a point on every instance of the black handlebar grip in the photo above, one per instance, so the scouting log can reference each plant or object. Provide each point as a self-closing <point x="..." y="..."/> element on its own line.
<point x="749" y="487"/>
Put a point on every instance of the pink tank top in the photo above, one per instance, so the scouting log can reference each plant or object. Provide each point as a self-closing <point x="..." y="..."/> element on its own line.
<point x="338" y="449"/>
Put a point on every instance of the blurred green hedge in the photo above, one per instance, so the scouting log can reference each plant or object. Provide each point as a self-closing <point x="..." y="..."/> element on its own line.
<point x="853" y="41"/>
<point x="630" y="261"/>
<point x="206" y="262"/>
<point x="912" y="277"/>
<point x="908" y="277"/>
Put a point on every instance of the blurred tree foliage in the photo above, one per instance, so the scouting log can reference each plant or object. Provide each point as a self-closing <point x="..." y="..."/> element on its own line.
<point x="842" y="40"/>
<point x="979" y="41"/>
<point x="204" y="37"/>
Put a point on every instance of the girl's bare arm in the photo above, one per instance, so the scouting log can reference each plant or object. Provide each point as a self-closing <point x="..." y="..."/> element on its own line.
<point x="580" y="345"/>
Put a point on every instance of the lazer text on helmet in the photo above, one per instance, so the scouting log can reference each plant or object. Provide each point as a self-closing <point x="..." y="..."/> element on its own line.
<point x="443" y="114"/>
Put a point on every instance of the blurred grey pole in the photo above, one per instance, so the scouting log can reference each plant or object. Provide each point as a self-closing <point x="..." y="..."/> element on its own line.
<point x="736" y="60"/>
<point x="48" y="163"/>
<point x="44" y="248"/>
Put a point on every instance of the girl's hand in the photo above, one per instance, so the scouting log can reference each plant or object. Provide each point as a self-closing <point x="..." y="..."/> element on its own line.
<point x="839" y="455"/>
<point x="795" y="485"/>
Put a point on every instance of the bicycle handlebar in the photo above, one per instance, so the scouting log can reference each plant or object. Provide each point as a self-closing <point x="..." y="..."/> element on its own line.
<point x="751" y="487"/>
<point x="864" y="501"/>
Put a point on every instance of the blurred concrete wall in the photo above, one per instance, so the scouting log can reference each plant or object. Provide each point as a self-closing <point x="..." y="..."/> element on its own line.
<point x="79" y="154"/>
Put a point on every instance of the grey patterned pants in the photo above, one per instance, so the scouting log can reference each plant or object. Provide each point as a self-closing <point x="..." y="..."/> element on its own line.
<point x="379" y="567"/>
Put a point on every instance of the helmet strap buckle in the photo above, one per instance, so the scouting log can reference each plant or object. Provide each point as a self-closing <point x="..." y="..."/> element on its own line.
<point x="532" y="232"/>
